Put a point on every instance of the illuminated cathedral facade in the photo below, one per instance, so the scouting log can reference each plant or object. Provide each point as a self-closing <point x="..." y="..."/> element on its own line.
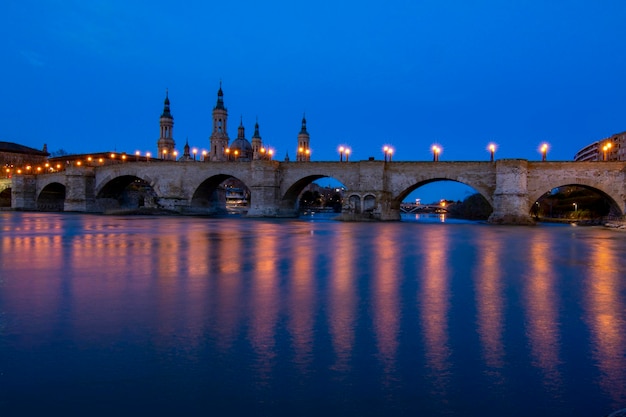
<point x="220" y="146"/>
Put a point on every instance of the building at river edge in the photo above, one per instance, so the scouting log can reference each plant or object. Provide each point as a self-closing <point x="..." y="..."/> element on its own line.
<point x="612" y="148"/>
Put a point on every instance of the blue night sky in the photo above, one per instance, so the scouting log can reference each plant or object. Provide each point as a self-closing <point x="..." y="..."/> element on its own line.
<point x="88" y="76"/>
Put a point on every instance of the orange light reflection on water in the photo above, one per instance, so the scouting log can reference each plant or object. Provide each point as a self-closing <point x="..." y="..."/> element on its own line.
<point x="302" y="294"/>
<point x="342" y="301"/>
<point x="434" y="299"/>
<point x="542" y="301"/>
<point x="386" y="299"/>
<point x="607" y="320"/>
<point x="490" y="302"/>
<point x="264" y="304"/>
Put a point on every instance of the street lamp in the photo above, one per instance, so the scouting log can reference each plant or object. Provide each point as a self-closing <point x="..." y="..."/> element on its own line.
<point x="575" y="206"/>
<point x="347" y="154"/>
<point x="606" y="149"/>
<point x="436" y="151"/>
<point x="204" y="154"/>
<point x="195" y="151"/>
<point x="388" y="151"/>
<point x="492" y="150"/>
<point x="544" y="151"/>
<point x="137" y="153"/>
<point x="341" y="150"/>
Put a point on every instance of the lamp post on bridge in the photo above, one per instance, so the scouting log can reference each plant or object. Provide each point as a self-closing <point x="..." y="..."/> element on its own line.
<point x="606" y="149"/>
<point x="492" y="151"/>
<point x="388" y="152"/>
<point x="544" y="152"/>
<point x="436" y="151"/>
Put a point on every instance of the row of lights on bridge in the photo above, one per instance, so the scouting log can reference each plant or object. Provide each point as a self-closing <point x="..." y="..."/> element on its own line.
<point x="267" y="153"/>
<point x="437" y="149"/>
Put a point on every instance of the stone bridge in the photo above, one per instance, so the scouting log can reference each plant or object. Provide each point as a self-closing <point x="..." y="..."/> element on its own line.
<point x="375" y="189"/>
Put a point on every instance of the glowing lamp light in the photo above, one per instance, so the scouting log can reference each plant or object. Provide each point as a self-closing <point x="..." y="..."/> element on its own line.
<point x="492" y="150"/>
<point x="436" y="151"/>
<point x="387" y="151"/>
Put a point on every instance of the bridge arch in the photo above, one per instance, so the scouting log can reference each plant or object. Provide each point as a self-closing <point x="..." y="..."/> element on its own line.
<point x="613" y="207"/>
<point x="5" y="197"/>
<point x="209" y="198"/>
<point x="289" y="199"/>
<point x="362" y="203"/>
<point x="618" y="201"/>
<point x="126" y="192"/>
<point x="51" y="197"/>
<point x="478" y="188"/>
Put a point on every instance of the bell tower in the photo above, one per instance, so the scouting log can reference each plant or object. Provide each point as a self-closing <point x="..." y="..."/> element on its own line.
<point x="166" y="142"/>
<point x="304" y="151"/>
<point x="256" y="142"/>
<point x="219" y="136"/>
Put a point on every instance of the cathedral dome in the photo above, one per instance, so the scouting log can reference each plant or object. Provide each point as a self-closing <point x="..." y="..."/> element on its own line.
<point x="243" y="146"/>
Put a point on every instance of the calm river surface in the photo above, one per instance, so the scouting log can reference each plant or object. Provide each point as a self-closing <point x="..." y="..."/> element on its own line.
<point x="103" y="315"/>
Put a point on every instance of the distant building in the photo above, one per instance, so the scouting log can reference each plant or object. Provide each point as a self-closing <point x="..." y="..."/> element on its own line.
<point x="220" y="148"/>
<point x="612" y="148"/>
<point x="13" y="155"/>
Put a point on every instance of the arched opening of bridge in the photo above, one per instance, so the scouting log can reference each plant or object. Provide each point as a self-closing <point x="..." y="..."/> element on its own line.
<point x="5" y="198"/>
<point x="51" y="198"/>
<point x="318" y="195"/>
<point x="221" y="194"/>
<point x="127" y="194"/>
<point x="443" y="200"/>
<point x="575" y="203"/>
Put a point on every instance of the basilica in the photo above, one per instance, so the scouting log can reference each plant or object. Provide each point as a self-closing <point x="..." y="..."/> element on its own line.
<point x="221" y="148"/>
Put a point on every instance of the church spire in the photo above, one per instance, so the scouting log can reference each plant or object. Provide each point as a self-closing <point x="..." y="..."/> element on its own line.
<point x="241" y="129"/>
<point x="166" y="143"/>
<point x="256" y="130"/>
<point x="303" y="130"/>
<point x="220" y="98"/>
<point x="166" y="106"/>
<point x="256" y="142"/>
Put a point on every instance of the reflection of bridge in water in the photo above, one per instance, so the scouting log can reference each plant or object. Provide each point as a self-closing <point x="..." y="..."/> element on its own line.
<point x="375" y="189"/>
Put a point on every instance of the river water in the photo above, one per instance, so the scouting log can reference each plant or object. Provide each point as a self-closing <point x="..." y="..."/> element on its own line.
<point x="103" y="315"/>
